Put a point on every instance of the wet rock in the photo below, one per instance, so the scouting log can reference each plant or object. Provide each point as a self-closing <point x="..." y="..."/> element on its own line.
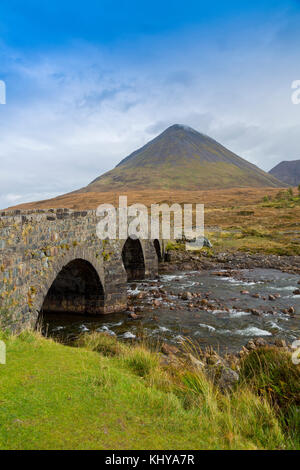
<point x="256" y="296"/>
<point x="272" y="297"/>
<point x="187" y="267"/>
<point x="221" y="274"/>
<point x="296" y="292"/>
<point x="187" y="296"/>
<point x="256" y="312"/>
<point x="291" y="310"/>
<point x="134" y="316"/>
<point x="141" y="295"/>
<point x="245" y="292"/>
<point x="139" y="309"/>
<point x="210" y="307"/>
<point x="156" y="303"/>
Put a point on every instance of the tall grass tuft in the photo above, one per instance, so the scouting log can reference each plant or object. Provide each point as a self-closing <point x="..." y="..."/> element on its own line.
<point x="102" y="343"/>
<point x="142" y="361"/>
<point x="270" y="373"/>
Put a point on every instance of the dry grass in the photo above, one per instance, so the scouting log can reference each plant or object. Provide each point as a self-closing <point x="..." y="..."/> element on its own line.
<point x="211" y="198"/>
<point x="235" y="219"/>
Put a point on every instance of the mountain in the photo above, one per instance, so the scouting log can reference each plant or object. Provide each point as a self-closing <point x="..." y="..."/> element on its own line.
<point x="288" y="172"/>
<point x="182" y="159"/>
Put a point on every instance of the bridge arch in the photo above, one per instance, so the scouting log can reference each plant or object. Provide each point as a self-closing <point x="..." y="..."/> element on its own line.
<point x="77" y="288"/>
<point x="81" y="274"/>
<point x="133" y="258"/>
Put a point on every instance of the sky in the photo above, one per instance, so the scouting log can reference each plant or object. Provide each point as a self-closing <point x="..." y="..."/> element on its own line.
<point x="89" y="82"/>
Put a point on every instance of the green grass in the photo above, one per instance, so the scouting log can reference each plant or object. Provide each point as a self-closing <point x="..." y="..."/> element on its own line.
<point x="254" y="240"/>
<point x="102" y="396"/>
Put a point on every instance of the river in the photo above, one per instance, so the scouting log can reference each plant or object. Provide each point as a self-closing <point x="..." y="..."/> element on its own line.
<point x="217" y="314"/>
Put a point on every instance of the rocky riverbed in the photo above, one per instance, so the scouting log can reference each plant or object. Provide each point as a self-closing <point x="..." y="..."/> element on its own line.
<point x="222" y="303"/>
<point x="183" y="260"/>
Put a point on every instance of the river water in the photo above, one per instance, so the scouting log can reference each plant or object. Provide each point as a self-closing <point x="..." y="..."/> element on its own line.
<point x="222" y="320"/>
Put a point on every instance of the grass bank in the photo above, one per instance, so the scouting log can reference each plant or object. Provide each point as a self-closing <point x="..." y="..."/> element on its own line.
<point x="106" y="395"/>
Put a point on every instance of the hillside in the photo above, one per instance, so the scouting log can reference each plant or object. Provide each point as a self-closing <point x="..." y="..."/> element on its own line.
<point x="182" y="159"/>
<point x="287" y="172"/>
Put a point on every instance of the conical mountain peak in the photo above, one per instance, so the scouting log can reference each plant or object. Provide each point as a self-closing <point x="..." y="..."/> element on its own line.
<point x="182" y="158"/>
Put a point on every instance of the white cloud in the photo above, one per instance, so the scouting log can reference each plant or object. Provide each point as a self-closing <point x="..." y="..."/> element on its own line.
<point x="82" y="110"/>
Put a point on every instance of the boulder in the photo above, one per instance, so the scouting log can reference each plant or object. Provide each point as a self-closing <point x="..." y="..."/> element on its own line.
<point x="228" y="378"/>
<point x="260" y="342"/>
<point x="251" y="345"/>
<point x="196" y="363"/>
<point x="187" y="296"/>
<point x="256" y="312"/>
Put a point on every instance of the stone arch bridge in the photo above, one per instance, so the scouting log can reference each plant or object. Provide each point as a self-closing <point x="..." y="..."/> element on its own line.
<point x="52" y="260"/>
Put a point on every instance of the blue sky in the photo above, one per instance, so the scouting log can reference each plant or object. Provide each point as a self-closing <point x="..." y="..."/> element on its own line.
<point x="89" y="82"/>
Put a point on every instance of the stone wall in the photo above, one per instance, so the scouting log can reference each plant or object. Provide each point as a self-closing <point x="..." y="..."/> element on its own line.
<point x="36" y="246"/>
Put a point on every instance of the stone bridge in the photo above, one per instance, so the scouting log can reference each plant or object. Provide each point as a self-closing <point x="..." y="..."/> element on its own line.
<point x="52" y="261"/>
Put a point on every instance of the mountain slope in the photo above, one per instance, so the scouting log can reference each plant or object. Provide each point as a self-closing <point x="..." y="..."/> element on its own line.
<point x="288" y="172"/>
<point x="182" y="159"/>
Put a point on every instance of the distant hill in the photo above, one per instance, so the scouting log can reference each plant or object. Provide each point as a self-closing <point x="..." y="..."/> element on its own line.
<point x="288" y="172"/>
<point x="182" y="159"/>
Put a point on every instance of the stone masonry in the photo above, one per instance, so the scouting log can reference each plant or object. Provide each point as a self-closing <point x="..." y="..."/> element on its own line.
<point x="53" y="260"/>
